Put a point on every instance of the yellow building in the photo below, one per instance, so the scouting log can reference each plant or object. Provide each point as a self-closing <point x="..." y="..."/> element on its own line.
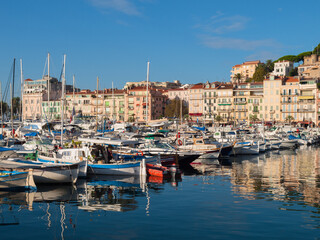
<point x="210" y="100"/>
<point x="246" y="70"/>
<point x="247" y="101"/>
<point x="271" y="93"/>
<point x="289" y="98"/>
<point x="225" y="102"/>
<point x="196" y="101"/>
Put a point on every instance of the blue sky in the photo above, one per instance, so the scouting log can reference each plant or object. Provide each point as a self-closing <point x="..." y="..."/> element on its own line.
<point x="191" y="41"/>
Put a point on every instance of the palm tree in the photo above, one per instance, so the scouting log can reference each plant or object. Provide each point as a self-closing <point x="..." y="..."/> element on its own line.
<point x="253" y="118"/>
<point x="218" y="119"/>
<point x="237" y="77"/>
<point x="289" y="119"/>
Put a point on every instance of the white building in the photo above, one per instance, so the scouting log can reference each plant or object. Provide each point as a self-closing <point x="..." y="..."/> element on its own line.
<point x="282" y="68"/>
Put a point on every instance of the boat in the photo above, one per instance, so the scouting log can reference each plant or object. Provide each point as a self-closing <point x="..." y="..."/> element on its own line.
<point x="11" y="180"/>
<point x="66" y="156"/>
<point x="44" y="173"/>
<point x="247" y="148"/>
<point x="208" y="148"/>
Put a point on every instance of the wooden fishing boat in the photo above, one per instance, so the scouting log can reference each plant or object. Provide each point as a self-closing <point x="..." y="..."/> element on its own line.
<point x="11" y="180"/>
<point x="44" y="173"/>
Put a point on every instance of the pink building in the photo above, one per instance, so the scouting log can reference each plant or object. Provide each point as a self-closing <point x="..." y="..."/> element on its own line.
<point x="137" y="104"/>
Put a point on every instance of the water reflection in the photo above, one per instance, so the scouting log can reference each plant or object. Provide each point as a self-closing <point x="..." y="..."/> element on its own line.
<point x="290" y="175"/>
<point x="108" y="193"/>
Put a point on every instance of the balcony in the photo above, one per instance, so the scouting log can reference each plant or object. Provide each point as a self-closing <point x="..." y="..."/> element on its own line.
<point x="306" y="101"/>
<point x="306" y="110"/>
<point x="289" y="94"/>
<point x="255" y="110"/>
<point x="287" y="111"/>
<point x="241" y="110"/>
<point x="272" y="111"/>
<point x="224" y="104"/>
<point x="306" y="97"/>
<point x="224" y="110"/>
<point x="240" y="103"/>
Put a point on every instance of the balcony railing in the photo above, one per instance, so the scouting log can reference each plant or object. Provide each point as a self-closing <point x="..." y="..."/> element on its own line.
<point x="224" y="110"/>
<point x="289" y="94"/>
<point x="306" y="101"/>
<point x="306" y="110"/>
<point x="240" y="103"/>
<point x="241" y="110"/>
<point x="286" y="102"/>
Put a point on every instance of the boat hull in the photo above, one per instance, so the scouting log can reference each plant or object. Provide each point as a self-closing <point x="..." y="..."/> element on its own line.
<point x="83" y="165"/>
<point x="125" y="168"/>
<point x="16" y="181"/>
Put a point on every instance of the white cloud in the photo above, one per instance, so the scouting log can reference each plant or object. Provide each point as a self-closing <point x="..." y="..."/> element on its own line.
<point x="235" y="43"/>
<point x="123" y="6"/>
<point x="221" y="24"/>
<point x="263" y="56"/>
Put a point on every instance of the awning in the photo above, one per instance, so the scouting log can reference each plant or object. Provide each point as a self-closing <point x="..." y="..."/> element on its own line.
<point x="305" y="122"/>
<point x="195" y="114"/>
<point x="306" y="97"/>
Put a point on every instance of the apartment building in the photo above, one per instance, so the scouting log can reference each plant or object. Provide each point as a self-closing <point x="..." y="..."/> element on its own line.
<point x="246" y="70"/>
<point x="282" y="68"/>
<point x="196" y="101"/>
<point x="145" y="105"/>
<point x="225" y="102"/>
<point x="307" y="111"/>
<point x="210" y="103"/>
<point x="115" y="104"/>
<point x="290" y="91"/>
<point x="271" y="93"/>
<point x="310" y="67"/>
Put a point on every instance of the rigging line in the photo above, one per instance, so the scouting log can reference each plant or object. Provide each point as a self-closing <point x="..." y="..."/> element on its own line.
<point x="61" y="73"/>
<point x="45" y="67"/>
<point x="6" y="90"/>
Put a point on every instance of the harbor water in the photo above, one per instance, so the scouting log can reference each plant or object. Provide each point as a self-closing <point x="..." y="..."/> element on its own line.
<point x="268" y="196"/>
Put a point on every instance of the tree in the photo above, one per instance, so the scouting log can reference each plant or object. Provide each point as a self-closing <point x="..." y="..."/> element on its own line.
<point x="253" y="118"/>
<point x="269" y="65"/>
<point x="238" y="77"/>
<point x="218" y="119"/>
<point x="260" y="73"/>
<point x="292" y="58"/>
<point x="289" y="119"/>
<point x="172" y="109"/>
<point x="5" y="107"/>
<point x="293" y="72"/>
<point x="316" y="50"/>
<point x="301" y="56"/>
<point x="16" y="105"/>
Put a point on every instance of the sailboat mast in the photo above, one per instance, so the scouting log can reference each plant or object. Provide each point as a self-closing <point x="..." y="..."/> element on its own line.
<point x="62" y="96"/>
<point x="97" y="104"/>
<point x="73" y="81"/>
<point x="147" y="93"/>
<point x="21" y="101"/>
<point x="12" y="93"/>
<point x="49" y="85"/>
<point x="113" y="103"/>
<point x="1" y="109"/>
